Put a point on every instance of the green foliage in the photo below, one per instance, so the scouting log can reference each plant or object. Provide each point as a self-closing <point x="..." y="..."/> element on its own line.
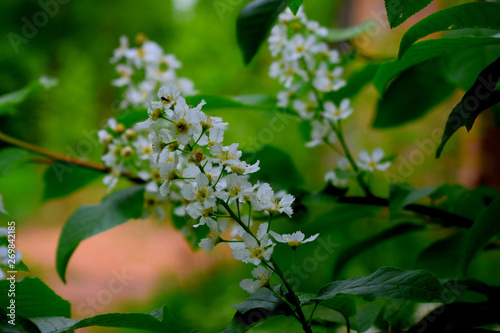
<point x="355" y="249"/>
<point x="468" y="15"/>
<point x="404" y="194"/>
<point x="254" y="23"/>
<point x="341" y="34"/>
<point x="424" y="51"/>
<point x="34" y="299"/>
<point x="400" y="11"/>
<point x="87" y="221"/>
<point x="62" y="179"/>
<point x="484" y="228"/>
<point x="294" y="5"/>
<point x="245" y="102"/>
<point x="157" y="321"/>
<point x="399" y="104"/>
<point x="481" y="96"/>
<point x="10" y="158"/>
<point x="387" y="282"/>
<point x="129" y="118"/>
<point x="9" y="101"/>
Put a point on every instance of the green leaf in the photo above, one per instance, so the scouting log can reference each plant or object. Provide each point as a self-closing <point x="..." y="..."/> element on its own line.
<point x="355" y="84"/>
<point x="410" y="95"/>
<point x="87" y="221"/>
<point x="10" y="100"/>
<point x="294" y="5"/>
<point x="484" y="228"/>
<point x="276" y="167"/>
<point x="344" y="304"/>
<point x="404" y="194"/>
<point x="338" y="35"/>
<point x="262" y="298"/>
<point x="352" y="251"/>
<point x="34" y="299"/>
<point x="62" y="179"/>
<point x="400" y="11"/>
<point x="426" y="50"/>
<point x="10" y="158"/>
<point x="254" y="23"/>
<point x="388" y="282"/>
<point x="129" y="118"/>
<point x="478" y="98"/>
<point x="152" y="322"/>
<point x="368" y="313"/>
<point x="468" y="15"/>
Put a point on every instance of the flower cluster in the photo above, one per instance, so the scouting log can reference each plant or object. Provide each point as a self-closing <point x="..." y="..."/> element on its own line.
<point x="143" y="69"/>
<point x="210" y="181"/>
<point x="309" y="69"/>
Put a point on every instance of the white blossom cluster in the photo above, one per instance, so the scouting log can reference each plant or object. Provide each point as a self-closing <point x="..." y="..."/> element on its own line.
<point x="7" y="254"/>
<point x="308" y="69"/>
<point x="143" y="69"/>
<point x="212" y="181"/>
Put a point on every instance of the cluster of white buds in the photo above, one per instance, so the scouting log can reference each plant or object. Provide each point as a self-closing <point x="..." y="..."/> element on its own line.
<point x="143" y="69"/>
<point x="309" y="69"/>
<point x="209" y="178"/>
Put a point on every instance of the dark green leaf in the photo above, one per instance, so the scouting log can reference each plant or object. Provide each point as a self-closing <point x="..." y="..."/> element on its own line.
<point x="62" y="179"/>
<point x="484" y="228"/>
<point x="411" y="95"/>
<point x="368" y="313"/>
<point x="294" y="5"/>
<point x="276" y="167"/>
<point x="387" y="282"/>
<point x="34" y="299"/>
<point x="400" y="11"/>
<point x="152" y="322"/>
<point x="262" y="298"/>
<point x="436" y="258"/>
<point x="468" y="15"/>
<point x="10" y="158"/>
<point x="426" y="50"/>
<point x="352" y="251"/>
<point x="344" y="304"/>
<point x="338" y="35"/>
<point x="404" y="194"/>
<point x="87" y="221"/>
<point x="478" y="98"/>
<point x="254" y="23"/>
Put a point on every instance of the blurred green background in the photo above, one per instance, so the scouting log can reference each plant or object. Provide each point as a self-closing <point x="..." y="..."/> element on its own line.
<point x="75" y="46"/>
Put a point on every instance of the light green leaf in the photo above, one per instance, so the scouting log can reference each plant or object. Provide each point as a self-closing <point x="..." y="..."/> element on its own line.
<point x="400" y="104"/>
<point x="254" y="23"/>
<point x="400" y="11"/>
<point x="62" y="179"/>
<point x="352" y="251"/>
<point x="485" y="226"/>
<point x="404" y="194"/>
<point x="129" y="118"/>
<point x="10" y="158"/>
<point x="152" y="322"/>
<point x="387" y="282"/>
<point x="338" y="35"/>
<point x="34" y="299"/>
<point x="426" y="50"/>
<point x="87" y="221"/>
<point x="468" y="15"/>
<point x="10" y="100"/>
<point x="294" y="5"/>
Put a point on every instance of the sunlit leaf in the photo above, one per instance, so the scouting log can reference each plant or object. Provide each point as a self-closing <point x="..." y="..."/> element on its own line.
<point x="400" y="11"/>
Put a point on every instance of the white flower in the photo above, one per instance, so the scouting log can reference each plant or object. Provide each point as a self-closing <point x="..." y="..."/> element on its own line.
<point x="264" y="199"/>
<point x="121" y="51"/>
<point x="374" y="161"/>
<point x="307" y="109"/>
<point x="125" y="72"/>
<point x="277" y="39"/>
<point x="326" y="80"/>
<point x="288" y="16"/>
<point x="5" y="256"/>
<point x="201" y="193"/>
<point x="315" y="28"/>
<point x="321" y="131"/>
<point x="333" y="113"/>
<point x="186" y="122"/>
<point x="168" y="95"/>
<point x="168" y="164"/>
<point x="2" y="209"/>
<point x="293" y="240"/>
<point x="238" y="188"/>
<point x="250" y="251"/>
<point x="213" y="238"/>
<point x="299" y="46"/>
<point x="262" y="276"/>
<point x="342" y="164"/>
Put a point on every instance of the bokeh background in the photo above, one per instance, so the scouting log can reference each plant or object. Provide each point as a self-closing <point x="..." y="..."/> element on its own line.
<point x="158" y="265"/>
